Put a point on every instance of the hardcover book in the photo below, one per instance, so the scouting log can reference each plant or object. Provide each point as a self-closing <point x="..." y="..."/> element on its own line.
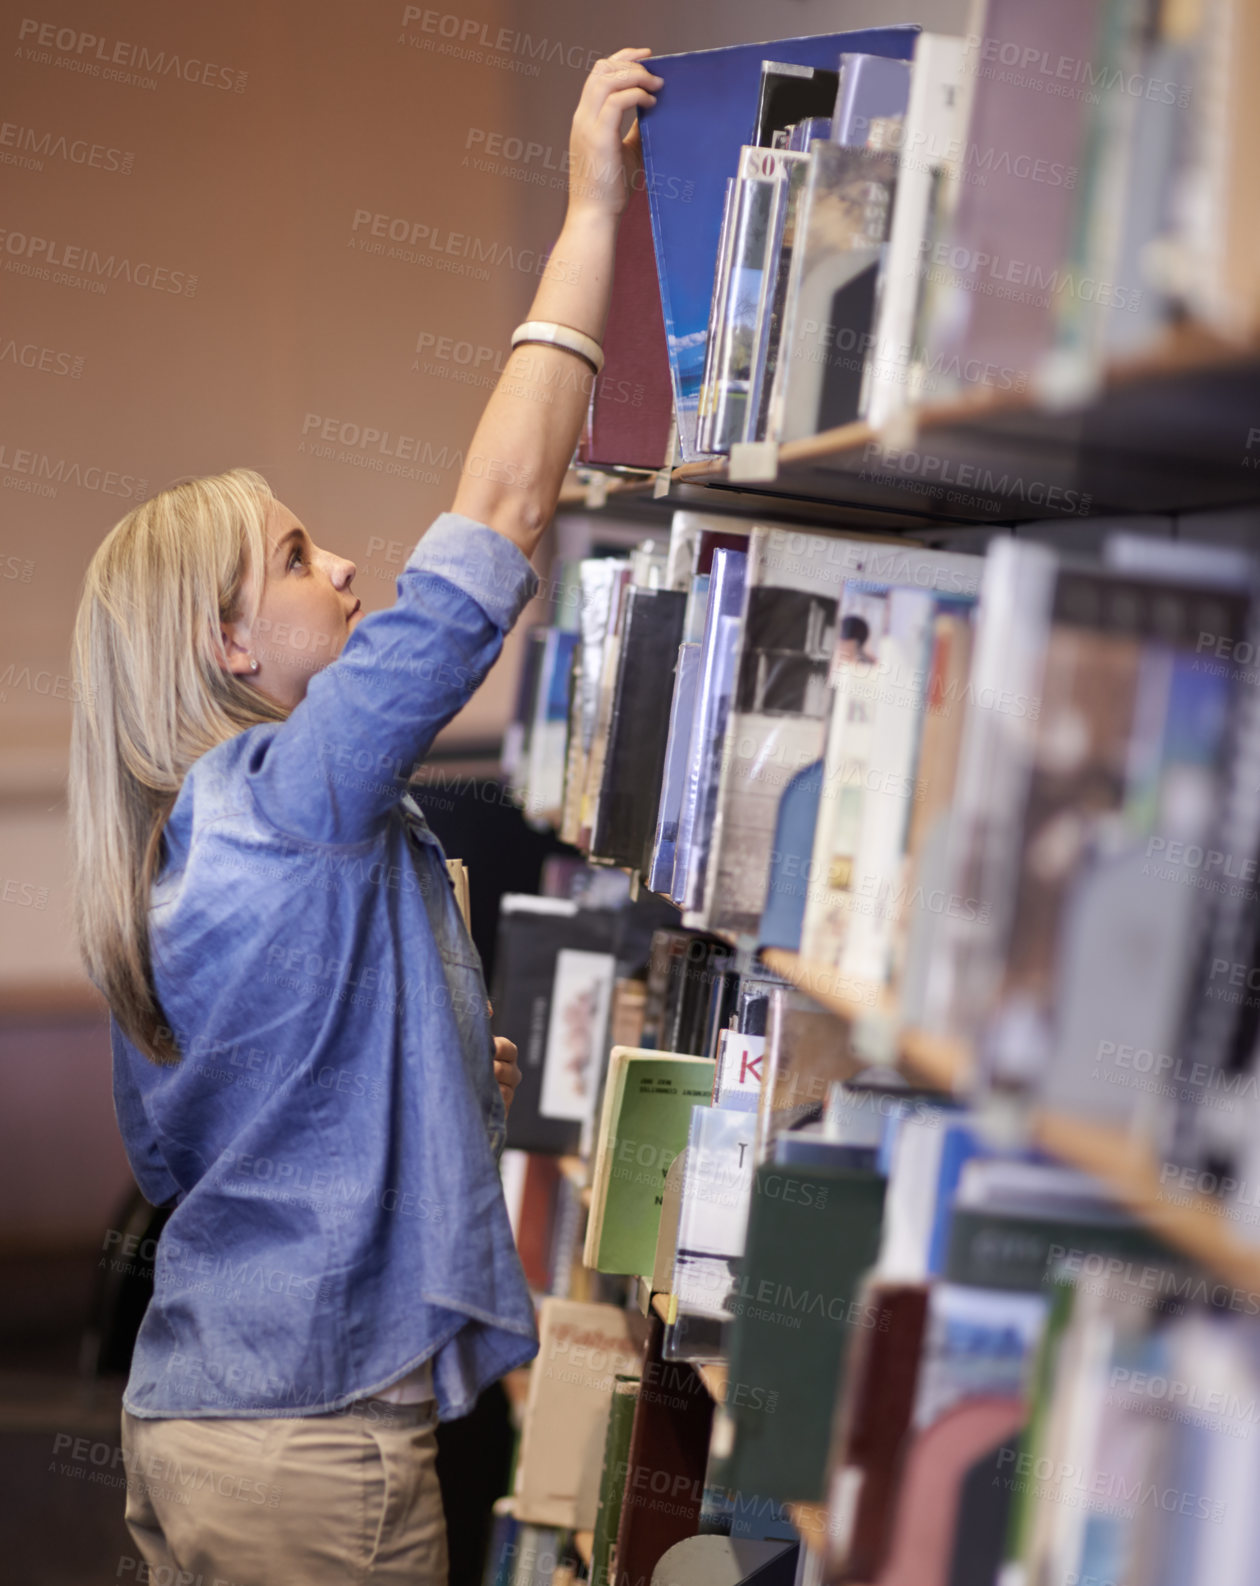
<point x="632" y="406"/>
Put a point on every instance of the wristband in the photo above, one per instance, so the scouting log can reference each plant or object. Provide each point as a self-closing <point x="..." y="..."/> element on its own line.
<point x="550" y="334"/>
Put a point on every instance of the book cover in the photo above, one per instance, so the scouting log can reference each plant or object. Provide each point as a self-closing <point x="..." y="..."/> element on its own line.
<point x="872" y="1427"/>
<point x="829" y="311"/>
<point x="717" y="1186"/>
<point x="532" y="933"/>
<point x="669" y="1443"/>
<point x="717" y="657"/>
<point x="789" y="94"/>
<point x="774" y="300"/>
<point x="660" y="869"/>
<point x="544" y="786"/>
<point x="632" y="405"/>
<point x="600" y="579"/>
<point x="807" y="1050"/>
<point x="612" y="1481"/>
<point x="997" y="267"/>
<point x="638" y="728"/>
<point x="871" y="87"/>
<point x="582" y="1349"/>
<point x="811" y="1237"/>
<point x="932" y="128"/>
<point x="691" y="141"/>
<point x="581" y="996"/>
<point x="775" y="724"/>
<point x="643" y="1126"/>
<point x="1100" y="945"/>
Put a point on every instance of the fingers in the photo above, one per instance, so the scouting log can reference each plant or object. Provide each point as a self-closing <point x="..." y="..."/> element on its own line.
<point x="619" y="74"/>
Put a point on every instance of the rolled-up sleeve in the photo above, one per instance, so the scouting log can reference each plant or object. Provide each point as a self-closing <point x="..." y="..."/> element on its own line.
<point x="333" y="770"/>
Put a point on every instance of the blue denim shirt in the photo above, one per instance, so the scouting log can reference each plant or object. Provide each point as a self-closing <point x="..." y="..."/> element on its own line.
<point x="332" y="1130"/>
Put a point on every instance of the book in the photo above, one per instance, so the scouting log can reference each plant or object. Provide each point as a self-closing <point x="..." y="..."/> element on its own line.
<point x="828" y="321"/>
<point x="660" y="869"/>
<point x="807" y="1050"/>
<point x="789" y="94"/>
<point x="643" y="1125"/>
<point x="581" y="997"/>
<point x="881" y="675"/>
<point x="932" y="127"/>
<point x="812" y="1234"/>
<point x="638" y="728"/>
<point x="612" y="1482"/>
<point x="714" y="688"/>
<point x="544" y="785"/>
<point x="713" y="1216"/>
<point x="872" y="1427"/>
<point x="600" y="581"/>
<point x="532" y="934"/>
<point x="582" y="1349"/>
<point x="1120" y="663"/>
<point x="760" y="200"/>
<point x="870" y="88"/>
<point x="669" y="1448"/>
<point x="632" y="403"/>
<point x="691" y="140"/>
<point x="1010" y="234"/>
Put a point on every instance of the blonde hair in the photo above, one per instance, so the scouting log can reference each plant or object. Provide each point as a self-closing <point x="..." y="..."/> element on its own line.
<point x="151" y="695"/>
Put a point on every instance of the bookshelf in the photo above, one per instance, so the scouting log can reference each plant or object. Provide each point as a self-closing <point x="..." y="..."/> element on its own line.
<point x="1151" y="439"/>
<point x="1167" y="433"/>
<point x="1161" y="434"/>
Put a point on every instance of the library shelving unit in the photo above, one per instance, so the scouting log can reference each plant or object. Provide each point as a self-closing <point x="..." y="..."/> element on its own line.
<point x="1176" y="431"/>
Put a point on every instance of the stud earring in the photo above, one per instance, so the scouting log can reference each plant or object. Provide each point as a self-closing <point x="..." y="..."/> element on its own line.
<point x="253" y="664"/>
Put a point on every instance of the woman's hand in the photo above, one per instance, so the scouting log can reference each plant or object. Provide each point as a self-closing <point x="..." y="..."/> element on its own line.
<point x="506" y="1070"/>
<point x="602" y="164"/>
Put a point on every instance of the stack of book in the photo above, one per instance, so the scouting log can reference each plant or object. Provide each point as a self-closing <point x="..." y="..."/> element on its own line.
<point x="849" y="223"/>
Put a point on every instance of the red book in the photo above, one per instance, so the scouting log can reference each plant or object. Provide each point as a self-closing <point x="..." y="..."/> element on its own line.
<point x="633" y="402"/>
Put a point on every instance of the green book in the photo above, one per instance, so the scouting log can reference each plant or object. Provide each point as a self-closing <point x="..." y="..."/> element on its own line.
<point x="643" y="1126"/>
<point x="612" y="1483"/>
<point x="991" y="1250"/>
<point x="813" y="1234"/>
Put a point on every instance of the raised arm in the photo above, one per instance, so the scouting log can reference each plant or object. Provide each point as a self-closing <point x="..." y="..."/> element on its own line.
<point x="525" y="440"/>
<point x="341" y="760"/>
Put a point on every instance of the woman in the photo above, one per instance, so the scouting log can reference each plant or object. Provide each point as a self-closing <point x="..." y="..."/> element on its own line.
<point x="302" y="1055"/>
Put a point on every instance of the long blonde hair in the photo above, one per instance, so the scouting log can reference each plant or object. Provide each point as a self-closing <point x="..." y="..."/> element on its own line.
<point x="151" y="695"/>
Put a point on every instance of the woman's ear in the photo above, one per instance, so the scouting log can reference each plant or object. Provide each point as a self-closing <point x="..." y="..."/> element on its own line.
<point x="237" y="657"/>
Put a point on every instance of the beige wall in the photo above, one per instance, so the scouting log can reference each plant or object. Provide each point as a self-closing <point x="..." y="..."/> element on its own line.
<point x="235" y="160"/>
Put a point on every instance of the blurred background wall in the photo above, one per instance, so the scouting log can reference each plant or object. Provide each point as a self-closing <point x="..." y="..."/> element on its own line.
<point x="293" y="236"/>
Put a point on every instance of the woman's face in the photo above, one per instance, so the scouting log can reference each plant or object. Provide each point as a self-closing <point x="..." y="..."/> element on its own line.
<point x="306" y="614"/>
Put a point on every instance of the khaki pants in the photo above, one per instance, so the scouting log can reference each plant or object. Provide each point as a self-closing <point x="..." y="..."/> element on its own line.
<point x="301" y="1501"/>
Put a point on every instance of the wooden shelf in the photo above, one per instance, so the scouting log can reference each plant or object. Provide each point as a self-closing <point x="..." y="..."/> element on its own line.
<point x="1162" y="434"/>
<point x="925" y="1058"/>
<point x="1195" y="1225"/>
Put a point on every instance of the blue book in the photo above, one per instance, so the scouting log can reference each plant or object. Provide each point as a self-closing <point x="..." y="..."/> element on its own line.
<point x="726" y="599"/>
<point x="790" y="856"/>
<point x="871" y="86"/>
<point x="691" y="142"/>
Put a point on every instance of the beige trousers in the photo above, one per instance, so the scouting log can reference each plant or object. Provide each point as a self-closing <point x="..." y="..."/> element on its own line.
<point x="302" y="1501"/>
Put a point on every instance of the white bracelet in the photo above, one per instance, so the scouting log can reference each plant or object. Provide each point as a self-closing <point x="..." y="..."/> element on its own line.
<point x="553" y="335"/>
